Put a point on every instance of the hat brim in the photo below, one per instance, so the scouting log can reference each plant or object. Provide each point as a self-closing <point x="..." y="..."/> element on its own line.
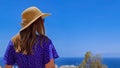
<point x="43" y="15"/>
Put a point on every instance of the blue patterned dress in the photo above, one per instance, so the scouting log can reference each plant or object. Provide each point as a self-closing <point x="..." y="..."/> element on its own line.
<point x="40" y="56"/>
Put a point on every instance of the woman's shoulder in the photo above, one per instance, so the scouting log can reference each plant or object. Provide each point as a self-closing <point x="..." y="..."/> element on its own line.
<point x="44" y="37"/>
<point x="10" y="42"/>
<point x="10" y="45"/>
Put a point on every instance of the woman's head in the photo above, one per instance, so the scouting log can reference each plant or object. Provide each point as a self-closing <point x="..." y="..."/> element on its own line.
<point x="35" y="28"/>
<point x="24" y="41"/>
<point x="32" y="24"/>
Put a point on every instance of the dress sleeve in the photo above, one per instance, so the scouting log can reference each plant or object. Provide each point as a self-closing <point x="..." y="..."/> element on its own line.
<point x="49" y="52"/>
<point x="9" y="54"/>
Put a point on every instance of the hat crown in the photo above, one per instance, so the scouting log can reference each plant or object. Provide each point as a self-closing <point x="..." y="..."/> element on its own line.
<point x="29" y="14"/>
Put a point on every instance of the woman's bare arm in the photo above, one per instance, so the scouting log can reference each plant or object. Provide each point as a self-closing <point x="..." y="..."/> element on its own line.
<point x="8" y="66"/>
<point x="50" y="64"/>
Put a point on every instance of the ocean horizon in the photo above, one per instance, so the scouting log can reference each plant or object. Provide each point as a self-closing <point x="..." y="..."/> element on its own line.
<point x="109" y="62"/>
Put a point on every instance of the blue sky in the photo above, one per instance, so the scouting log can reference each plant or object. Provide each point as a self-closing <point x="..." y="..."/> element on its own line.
<point x="75" y="26"/>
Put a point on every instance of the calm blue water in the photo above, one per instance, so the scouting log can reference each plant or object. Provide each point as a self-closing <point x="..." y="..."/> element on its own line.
<point x="110" y="62"/>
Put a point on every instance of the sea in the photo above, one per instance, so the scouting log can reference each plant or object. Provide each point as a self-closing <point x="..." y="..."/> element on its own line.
<point x="110" y="62"/>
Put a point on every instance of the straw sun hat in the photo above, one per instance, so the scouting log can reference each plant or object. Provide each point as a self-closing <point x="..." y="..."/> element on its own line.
<point x="30" y="15"/>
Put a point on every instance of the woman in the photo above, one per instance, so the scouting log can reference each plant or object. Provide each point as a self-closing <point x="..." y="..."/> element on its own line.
<point x="30" y="48"/>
